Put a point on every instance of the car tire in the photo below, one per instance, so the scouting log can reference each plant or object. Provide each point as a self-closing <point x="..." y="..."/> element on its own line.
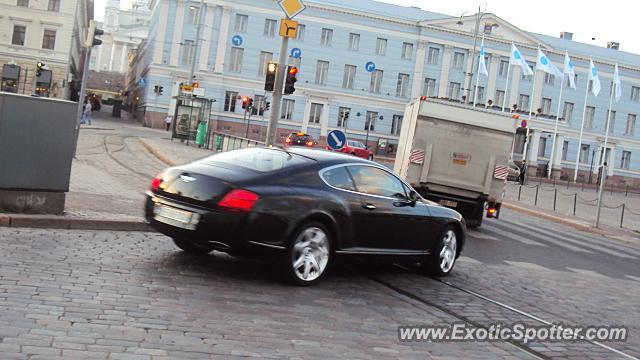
<point x="441" y="260"/>
<point x="370" y="157"/>
<point x="308" y="254"/>
<point x="353" y="154"/>
<point x="191" y="247"/>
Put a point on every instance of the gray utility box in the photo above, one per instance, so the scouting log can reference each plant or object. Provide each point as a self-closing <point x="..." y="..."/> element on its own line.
<point x="36" y="150"/>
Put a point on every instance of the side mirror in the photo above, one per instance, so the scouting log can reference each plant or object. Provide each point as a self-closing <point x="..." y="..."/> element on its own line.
<point x="414" y="196"/>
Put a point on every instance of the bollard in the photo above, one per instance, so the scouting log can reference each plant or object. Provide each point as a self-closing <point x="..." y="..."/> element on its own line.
<point x="536" y="200"/>
<point x="555" y="199"/>
<point x="568" y="184"/>
<point x="519" y="192"/>
<point x="575" y="203"/>
<point x="622" y="216"/>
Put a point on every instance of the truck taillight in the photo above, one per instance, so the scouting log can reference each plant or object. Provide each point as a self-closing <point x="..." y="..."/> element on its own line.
<point x="493" y="210"/>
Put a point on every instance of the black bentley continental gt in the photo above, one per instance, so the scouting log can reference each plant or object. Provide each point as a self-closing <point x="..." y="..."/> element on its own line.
<point x="302" y="208"/>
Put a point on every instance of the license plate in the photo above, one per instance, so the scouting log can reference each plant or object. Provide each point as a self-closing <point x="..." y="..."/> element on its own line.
<point x="449" y="203"/>
<point x="176" y="217"/>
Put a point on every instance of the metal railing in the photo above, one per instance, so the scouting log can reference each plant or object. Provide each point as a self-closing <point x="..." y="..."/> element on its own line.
<point x="220" y="142"/>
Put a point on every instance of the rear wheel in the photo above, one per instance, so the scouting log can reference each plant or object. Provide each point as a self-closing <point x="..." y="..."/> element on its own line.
<point x="443" y="255"/>
<point x="308" y="255"/>
<point x="191" y="247"/>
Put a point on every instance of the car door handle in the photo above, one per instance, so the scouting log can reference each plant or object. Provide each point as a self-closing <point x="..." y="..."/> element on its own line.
<point x="369" y="206"/>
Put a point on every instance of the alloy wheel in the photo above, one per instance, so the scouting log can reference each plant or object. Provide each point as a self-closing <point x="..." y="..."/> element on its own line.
<point x="310" y="254"/>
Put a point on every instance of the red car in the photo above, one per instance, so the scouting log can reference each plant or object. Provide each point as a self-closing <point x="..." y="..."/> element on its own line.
<point x="356" y="148"/>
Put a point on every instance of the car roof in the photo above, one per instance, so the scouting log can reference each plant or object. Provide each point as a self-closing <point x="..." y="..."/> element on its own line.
<point x="325" y="156"/>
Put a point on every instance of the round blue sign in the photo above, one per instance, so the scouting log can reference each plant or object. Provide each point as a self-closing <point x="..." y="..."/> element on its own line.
<point x="296" y="53"/>
<point x="336" y="139"/>
<point x="516" y="55"/>
<point x="370" y="66"/>
<point x="237" y="40"/>
<point x="544" y="60"/>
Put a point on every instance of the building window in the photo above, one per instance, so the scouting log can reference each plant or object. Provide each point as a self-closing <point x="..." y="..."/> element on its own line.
<point x="542" y="147"/>
<point x="480" y="91"/>
<point x="376" y="81"/>
<point x="322" y="69"/>
<point x="230" y="99"/>
<point x="316" y="112"/>
<point x="567" y="113"/>
<point x="549" y="79"/>
<point x="237" y="54"/>
<point x="403" y="85"/>
<point x="612" y="121"/>
<point x="396" y="124"/>
<point x="499" y="98"/>
<point x="54" y="5"/>
<point x="354" y="41"/>
<point x="23" y="3"/>
<point x="589" y="116"/>
<point x="194" y="15"/>
<point x="49" y="39"/>
<point x="565" y="150"/>
<point x="270" y="27"/>
<point x="287" y="109"/>
<point x="259" y="103"/>
<point x="635" y="93"/>
<point x="458" y="60"/>
<point x="523" y="102"/>
<point x="454" y="91"/>
<point x="590" y="86"/>
<point x="625" y="160"/>
<point x="19" y="33"/>
<point x="407" y="51"/>
<point x="349" y="76"/>
<point x="434" y="56"/>
<point x="343" y="116"/>
<point x="631" y="125"/>
<point x="584" y="153"/>
<point x="381" y="46"/>
<point x="188" y="52"/>
<point x="528" y="77"/>
<point x="241" y="23"/>
<point x="575" y="80"/>
<point x="546" y="106"/>
<point x="370" y="121"/>
<point x="429" y="88"/>
<point x="503" y="69"/>
<point x="265" y="58"/>
<point x="327" y="37"/>
<point x="300" y="34"/>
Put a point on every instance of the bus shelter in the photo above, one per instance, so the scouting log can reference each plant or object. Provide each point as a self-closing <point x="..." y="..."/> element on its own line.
<point x="192" y="120"/>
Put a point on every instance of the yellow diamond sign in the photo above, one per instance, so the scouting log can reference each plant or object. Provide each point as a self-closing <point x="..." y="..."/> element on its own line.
<point x="292" y="7"/>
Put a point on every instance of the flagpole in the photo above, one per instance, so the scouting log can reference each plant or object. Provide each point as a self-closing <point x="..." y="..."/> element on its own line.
<point x="475" y="92"/>
<point x="604" y="155"/>
<point x="555" y="130"/>
<point x="506" y="86"/>
<point x="584" y="115"/>
<point x="533" y="94"/>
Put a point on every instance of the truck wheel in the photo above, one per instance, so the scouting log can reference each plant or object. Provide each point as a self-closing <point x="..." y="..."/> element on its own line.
<point x="443" y="254"/>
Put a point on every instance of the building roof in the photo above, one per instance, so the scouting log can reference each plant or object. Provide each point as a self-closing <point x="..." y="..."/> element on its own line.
<point x="588" y="50"/>
<point x="384" y="9"/>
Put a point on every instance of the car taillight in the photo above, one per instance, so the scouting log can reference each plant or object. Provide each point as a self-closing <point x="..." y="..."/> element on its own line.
<point x="288" y="141"/>
<point x="155" y="183"/>
<point x="239" y="199"/>
<point x="310" y="143"/>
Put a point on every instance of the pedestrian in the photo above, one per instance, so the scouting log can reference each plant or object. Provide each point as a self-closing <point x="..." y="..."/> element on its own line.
<point x="86" y="113"/>
<point x="167" y="122"/>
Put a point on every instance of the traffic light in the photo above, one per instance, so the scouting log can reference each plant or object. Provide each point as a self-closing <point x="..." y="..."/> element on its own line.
<point x="250" y="104"/>
<point x="39" y="67"/>
<point x="290" y="83"/>
<point x="270" y="80"/>
<point x="346" y="116"/>
<point x="93" y="32"/>
<point x="158" y="89"/>
<point x="196" y="85"/>
<point x="267" y="106"/>
<point x="245" y="102"/>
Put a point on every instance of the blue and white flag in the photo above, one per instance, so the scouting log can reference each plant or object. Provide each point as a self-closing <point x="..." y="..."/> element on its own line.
<point x="517" y="59"/>
<point x="546" y="65"/>
<point x="593" y="76"/>
<point x="570" y="70"/>
<point x="617" y="83"/>
<point x="482" y="67"/>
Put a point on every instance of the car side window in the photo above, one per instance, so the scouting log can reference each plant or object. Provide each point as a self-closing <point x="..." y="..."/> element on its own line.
<point x="375" y="181"/>
<point x="340" y="178"/>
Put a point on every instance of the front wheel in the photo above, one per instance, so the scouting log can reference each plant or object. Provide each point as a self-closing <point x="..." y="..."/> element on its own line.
<point x="308" y="255"/>
<point x="191" y="247"/>
<point x="370" y="157"/>
<point x="443" y="255"/>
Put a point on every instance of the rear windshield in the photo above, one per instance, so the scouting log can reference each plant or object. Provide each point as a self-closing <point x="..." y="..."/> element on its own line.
<point x="259" y="159"/>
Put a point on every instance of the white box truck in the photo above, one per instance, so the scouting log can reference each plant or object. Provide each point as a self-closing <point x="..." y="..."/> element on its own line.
<point x="456" y="155"/>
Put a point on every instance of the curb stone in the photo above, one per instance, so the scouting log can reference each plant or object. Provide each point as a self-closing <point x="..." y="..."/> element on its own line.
<point x="66" y="223"/>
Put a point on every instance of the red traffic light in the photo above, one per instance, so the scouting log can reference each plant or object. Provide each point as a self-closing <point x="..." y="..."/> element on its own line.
<point x="293" y="71"/>
<point x="196" y="85"/>
<point x="245" y="99"/>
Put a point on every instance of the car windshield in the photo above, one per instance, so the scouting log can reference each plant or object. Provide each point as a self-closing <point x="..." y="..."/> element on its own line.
<point x="259" y="159"/>
<point x="300" y="137"/>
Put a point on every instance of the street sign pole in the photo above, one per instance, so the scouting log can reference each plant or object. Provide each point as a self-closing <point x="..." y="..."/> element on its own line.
<point x="83" y="88"/>
<point x="272" y="128"/>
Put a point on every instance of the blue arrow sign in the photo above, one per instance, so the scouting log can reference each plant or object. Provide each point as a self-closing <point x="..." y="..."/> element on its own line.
<point x="370" y="66"/>
<point x="237" y="40"/>
<point x="296" y="53"/>
<point x="336" y="140"/>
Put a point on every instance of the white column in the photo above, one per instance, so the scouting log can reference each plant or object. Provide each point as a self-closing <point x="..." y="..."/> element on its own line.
<point x="113" y="53"/>
<point x="537" y="101"/>
<point x="99" y="59"/>
<point x="534" y="147"/>
<point x="516" y="74"/>
<point x="444" y="72"/>
<point x="124" y="63"/>
<point x="305" y="117"/>
<point x="205" y="44"/>
<point x="223" y="40"/>
<point x="611" y="160"/>
<point x="324" y="119"/>
<point x="418" y="70"/>
<point x="557" y="155"/>
<point x="177" y="34"/>
<point x="175" y="90"/>
<point x="490" y="93"/>
<point x="161" y="33"/>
